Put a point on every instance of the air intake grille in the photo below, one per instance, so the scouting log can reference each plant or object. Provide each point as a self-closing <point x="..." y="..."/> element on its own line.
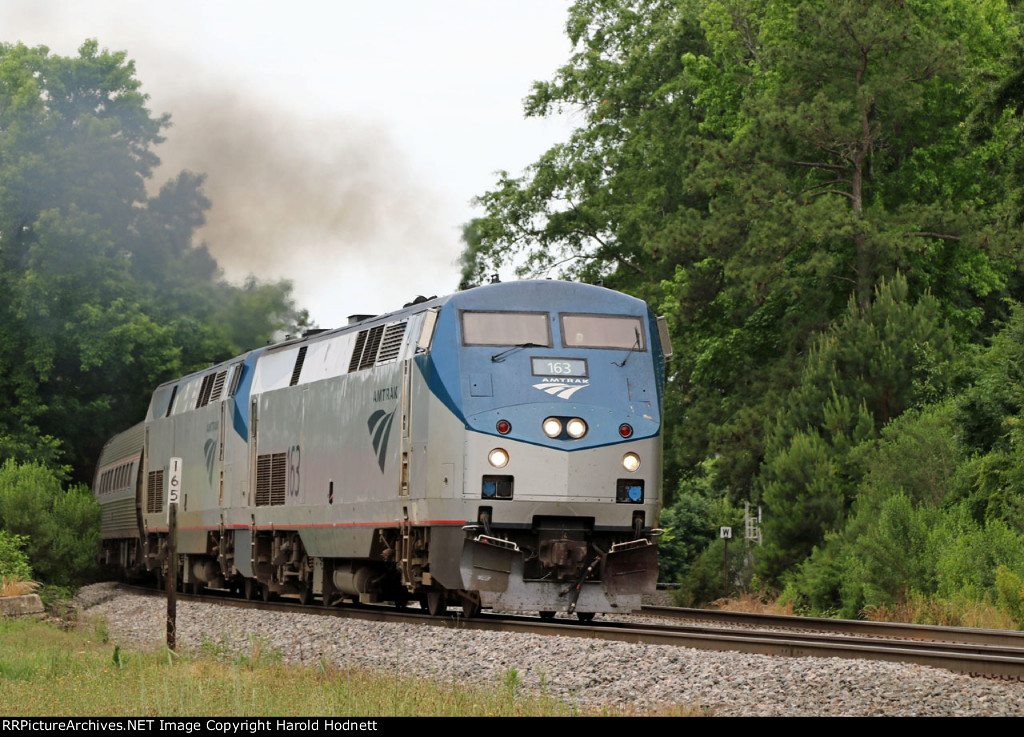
<point x="211" y="388"/>
<point x="357" y="352"/>
<point x="391" y="344"/>
<point x="271" y="477"/>
<point x="370" y="349"/>
<point x="155" y="492"/>
<point x="297" y="371"/>
<point x="377" y="345"/>
<point x="218" y="386"/>
<point x="204" y="391"/>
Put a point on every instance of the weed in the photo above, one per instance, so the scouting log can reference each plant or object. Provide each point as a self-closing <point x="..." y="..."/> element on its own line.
<point x="16" y="671"/>
<point x="756" y="603"/>
<point x="512" y="682"/>
<point x="261" y="653"/>
<point x="960" y="611"/>
<point x="101" y="629"/>
<point x="212" y="648"/>
<point x="13" y="585"/>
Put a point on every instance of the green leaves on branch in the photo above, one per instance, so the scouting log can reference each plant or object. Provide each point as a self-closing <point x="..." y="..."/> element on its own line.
<point x="105" y="292"/>
<point x="60" y="528"/>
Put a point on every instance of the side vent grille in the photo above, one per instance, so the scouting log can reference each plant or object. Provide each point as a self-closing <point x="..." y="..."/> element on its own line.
<point x="211" y="389"/>
<point x="357" y="352"/>
<point x="271" y="476"/>
<point x="155" y="492"/>
<point x="391" y="344"/>
<point x="218" y="386"/>
<point x="370" y="349"/>
<point x="299" y="360"/>
<point x="377" y="345"/>
<point x="204" y="392"/>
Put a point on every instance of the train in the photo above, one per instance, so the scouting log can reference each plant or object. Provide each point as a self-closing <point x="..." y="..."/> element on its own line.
<point x="496" y="448"/>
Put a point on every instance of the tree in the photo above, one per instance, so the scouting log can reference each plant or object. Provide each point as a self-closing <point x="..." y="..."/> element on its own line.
<point x="105" y="294"/>
<point x="747" y="166"/>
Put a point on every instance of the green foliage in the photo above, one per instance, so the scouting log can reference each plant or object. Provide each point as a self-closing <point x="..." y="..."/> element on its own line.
<point x="763" y="173"/>
<point x="875" y="356"/>
<point x="824" y="200"/>
<point x="705" y="578"/>
<point x="105" y="294"/>
<point x="62" y="528"/>
<point x="689" y="529"/>
<point x="1010" y="594"/>
<point x="13" y="561"/>
<point x="894" y="554"/>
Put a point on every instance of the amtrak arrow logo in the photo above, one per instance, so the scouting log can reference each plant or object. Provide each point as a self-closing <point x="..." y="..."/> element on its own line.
<point x="560" y="390"/>
<point x="210" y="451"/>
<point x="379" y="426"/>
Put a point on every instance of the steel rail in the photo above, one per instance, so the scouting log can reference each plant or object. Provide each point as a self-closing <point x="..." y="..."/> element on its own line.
<point x="894" y="630"/>
<point x="970" y="658"/>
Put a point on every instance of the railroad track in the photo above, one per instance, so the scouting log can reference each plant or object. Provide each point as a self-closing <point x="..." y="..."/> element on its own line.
<point x="987" y="653"/>
<point x="894" y="630"/>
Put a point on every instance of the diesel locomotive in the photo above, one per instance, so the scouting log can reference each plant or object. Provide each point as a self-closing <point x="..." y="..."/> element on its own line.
<point x="499" y="448"/>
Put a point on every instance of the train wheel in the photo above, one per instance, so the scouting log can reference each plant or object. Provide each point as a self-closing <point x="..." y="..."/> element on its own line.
<point x="251" y="588"/>
<point x="585" y="616"/>
<point x="546" y="614"/>
<point x="437" y="603"/>
<point x="265" y="591"/>
<point x="197" y="587"/>
<point x="305" y="594"/>
<point x="470" y="607"/>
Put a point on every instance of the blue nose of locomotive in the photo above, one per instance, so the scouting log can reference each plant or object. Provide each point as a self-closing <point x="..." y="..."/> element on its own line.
<point x="582" y="373"/>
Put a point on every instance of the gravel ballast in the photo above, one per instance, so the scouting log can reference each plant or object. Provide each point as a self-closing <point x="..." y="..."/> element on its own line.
<point x="586" y="673"/>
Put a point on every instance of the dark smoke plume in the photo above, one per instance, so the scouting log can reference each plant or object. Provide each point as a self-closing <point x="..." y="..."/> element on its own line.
<point x="293" y="195"/>
<point x="329" y="203"/>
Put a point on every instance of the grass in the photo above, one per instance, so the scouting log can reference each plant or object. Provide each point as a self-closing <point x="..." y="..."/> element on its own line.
<point x="14" y="586"/>
<point x="753" y="604"/>
<point x="959" y="612"/>
<point x="47" y="671"/>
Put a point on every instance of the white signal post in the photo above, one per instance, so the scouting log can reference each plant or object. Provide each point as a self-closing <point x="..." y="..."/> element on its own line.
<point x="726" y="534"/>
<point x="173" y="492"/>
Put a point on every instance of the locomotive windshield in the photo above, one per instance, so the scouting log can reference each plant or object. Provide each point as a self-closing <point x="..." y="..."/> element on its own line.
<point x="602" y="331"/>
<point x="506" y="328"/>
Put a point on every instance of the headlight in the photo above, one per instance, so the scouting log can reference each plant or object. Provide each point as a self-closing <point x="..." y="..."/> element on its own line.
<point x="552" y="427"/>
<point x="631" y="462"/>
<point x="576" y="428"/>
<point x="498" y="458"/>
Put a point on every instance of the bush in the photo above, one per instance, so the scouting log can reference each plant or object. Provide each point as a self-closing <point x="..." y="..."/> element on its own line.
<point x="688" y="530"/>
<point x="13" y="561"/>
<point x="704" y="580"/>
<point x="62" y="528"/>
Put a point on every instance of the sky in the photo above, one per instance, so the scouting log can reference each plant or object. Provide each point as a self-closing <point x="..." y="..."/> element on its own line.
<point x="342" y="142"/>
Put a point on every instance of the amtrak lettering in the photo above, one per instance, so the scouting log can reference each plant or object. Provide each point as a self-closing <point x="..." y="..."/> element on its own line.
<point x="562" y="388"/>
<point x="383" y="395"/>
<point x="379" y="426"/>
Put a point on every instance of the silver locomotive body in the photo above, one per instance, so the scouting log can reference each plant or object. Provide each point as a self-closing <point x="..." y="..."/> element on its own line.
<point x="500" y="447"/>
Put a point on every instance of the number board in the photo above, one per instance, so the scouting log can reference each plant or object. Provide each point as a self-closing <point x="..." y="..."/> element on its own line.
<point x="174" y="481"/>
<point x="559" y="366"/>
